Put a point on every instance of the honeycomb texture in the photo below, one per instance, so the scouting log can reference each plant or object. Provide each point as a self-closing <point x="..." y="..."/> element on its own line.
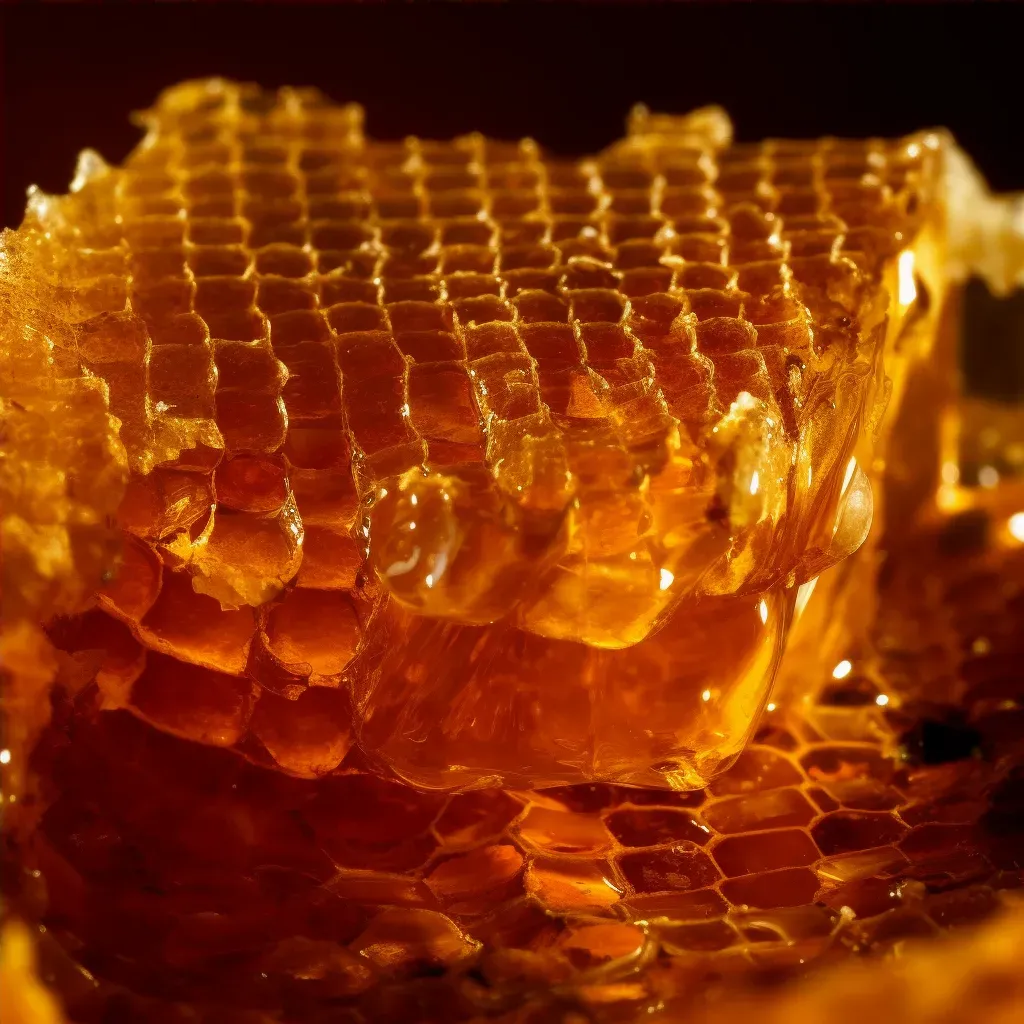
<point x="191" y="884"/>
<point x="507" y="467"/>
<point x="62" y="473"/>
<point x="300" y="333"/>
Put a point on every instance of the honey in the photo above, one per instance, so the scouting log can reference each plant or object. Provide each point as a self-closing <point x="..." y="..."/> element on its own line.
<point x="401" y="542"/>
<point x="529" y="456"/>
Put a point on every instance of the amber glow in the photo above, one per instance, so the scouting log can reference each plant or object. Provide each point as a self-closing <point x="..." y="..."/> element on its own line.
<point x="907" y="286"/>
<point x="842" y="670"/>
<point x="1015" y="524"/>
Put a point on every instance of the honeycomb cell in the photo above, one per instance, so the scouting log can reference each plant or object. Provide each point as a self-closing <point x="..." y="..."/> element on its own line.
<point x="789" y="887"/>
<point x="679" y="868"/>
<point x="195" y="628"/>
<point x="252" y="483"/>
<point x="854" y="866"/>
<point x="315" y="628"/>
<point x="695" y="905"/>
<point x="842" y="831"/>
<point x="247" y="559"/>
<point x="134" y="588"/>
<point x="390" y="830"/>
<point x="655" y="826"/>
<point x="398" y="939"/>
<point x="469" y="818"/>
<point x="764" y="851"/>
<point x="755" y="770"/>
<point x="107" y="648"/>
<point x="774" y="808"/>
<point x="597" y="944"/>
<point x="475" y="873"/>
<point x="308" y="736"/>
<point x="934" y="840"/>
<point x="191" y="701"/>
<point x="330" y="972"/>
<point x="569" y="886"/>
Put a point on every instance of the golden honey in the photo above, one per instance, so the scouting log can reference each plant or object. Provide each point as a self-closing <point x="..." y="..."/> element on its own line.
<point x="418" y="529"/>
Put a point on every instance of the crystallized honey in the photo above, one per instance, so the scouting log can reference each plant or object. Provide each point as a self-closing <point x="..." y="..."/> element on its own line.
<point x="417" y="529"/>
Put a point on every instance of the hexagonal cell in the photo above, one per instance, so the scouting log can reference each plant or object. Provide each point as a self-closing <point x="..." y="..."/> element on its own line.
<point x="470" y="818"/>
<point x="193" y="702"/>
<point x="136" y="585"/>
<point x="790" y="887"/>
<point x="572" y="886"/>
<point x="952" y="810"/>
<point x="787" y="924"/>
<point x="698" y="905"/>
<point x="479" y="871"/>
<point x="866" y="897"/>
<point x="756" y="769"/>
<point x="401" y="939"/>
<point x="850" y="831"/>
<point x="363" y="821"/>
<point x="585" y="798"/>
<point x="663" y="797"/>
<point x="777" y="736"/>
<point x="925" y="842"/>
<point x="107" y="647"/>
<point x="318" y="628"/>
<point x="592" y="945"/>
<point x="533" y="969"/>
<point x="863" y="794"/>
<point x="309" y="735"/>
<point x="252" y="483"/>
<point x="847" y="761"/>
<point x="655" y="826"/>
<point x="764" y="851"/>
<point x="885" y="860"/>
<point x="554" y="831"/>
<point x="849" y="725"/>
<point x="945" y="870"/>
<point x="381" y="889"/>
<point x="519" y="924"/>
<point x="679" y="868"/>
<point x="195" y="628"/>
<point x="775" y="808"/>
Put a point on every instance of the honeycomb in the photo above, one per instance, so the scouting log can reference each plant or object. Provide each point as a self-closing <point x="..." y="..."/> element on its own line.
<point x="465" y="500"/>
<point x="511" y="467"/>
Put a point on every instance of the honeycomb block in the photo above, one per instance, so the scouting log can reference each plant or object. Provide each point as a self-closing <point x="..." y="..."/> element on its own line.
<point x="390" y="405"/>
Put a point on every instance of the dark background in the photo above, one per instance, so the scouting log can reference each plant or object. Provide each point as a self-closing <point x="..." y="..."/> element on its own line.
<point x="565" y="74"/>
